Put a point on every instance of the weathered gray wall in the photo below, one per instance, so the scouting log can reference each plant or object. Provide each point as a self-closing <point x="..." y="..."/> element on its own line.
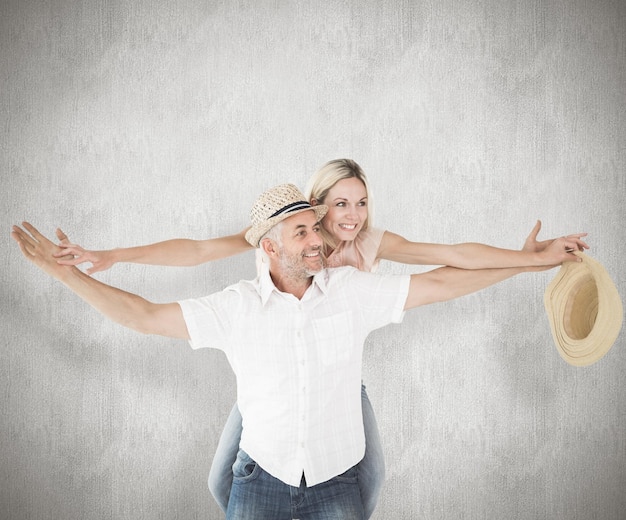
<point x="127" y="122"/>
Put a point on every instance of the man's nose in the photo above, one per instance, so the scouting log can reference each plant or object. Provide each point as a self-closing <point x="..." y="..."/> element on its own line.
<point x="315" y="239"/>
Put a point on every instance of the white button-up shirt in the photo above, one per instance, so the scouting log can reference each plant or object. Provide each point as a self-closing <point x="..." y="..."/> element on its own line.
<point x="298" y="364"/>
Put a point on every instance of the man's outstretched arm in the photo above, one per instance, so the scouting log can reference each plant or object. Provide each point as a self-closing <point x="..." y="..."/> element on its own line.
<point x="127" y="309"/>
<point x="447" y="283"/>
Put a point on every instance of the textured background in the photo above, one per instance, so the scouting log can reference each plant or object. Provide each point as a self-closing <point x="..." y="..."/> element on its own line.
<point x="127" y="122"/>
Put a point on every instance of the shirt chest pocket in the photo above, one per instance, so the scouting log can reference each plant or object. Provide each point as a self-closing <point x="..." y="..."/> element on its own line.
<point x="334" y="339"/>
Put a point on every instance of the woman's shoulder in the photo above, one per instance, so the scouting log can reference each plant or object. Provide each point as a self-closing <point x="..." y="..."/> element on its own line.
<point x="370" y="234"/>
<point x="365" y="249"/>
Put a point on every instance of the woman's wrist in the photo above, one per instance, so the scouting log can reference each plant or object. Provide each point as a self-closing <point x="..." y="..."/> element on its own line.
<point x="112" y="256"/>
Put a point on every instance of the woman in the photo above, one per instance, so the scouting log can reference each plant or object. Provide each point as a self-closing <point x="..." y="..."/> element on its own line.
<point x="350" y="240"/>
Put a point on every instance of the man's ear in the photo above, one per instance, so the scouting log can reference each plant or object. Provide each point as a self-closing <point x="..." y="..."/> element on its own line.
<point x="268" y="246"/>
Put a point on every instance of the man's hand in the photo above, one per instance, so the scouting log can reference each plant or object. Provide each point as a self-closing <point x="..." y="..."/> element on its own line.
<point x="38" y="249"/>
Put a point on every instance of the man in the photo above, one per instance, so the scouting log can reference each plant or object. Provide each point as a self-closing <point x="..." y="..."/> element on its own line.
<point x="294" y="338"/>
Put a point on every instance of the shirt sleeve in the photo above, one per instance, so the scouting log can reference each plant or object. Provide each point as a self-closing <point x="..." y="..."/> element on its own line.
<point x="209" y="319"/>
<point x="381" y="297"/>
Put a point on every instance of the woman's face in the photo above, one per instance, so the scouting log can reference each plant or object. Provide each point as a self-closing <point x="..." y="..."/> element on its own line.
<point x="347" y="209"/>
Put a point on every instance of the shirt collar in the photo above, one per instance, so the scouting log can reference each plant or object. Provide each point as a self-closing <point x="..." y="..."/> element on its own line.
<point x="266" y="285"/>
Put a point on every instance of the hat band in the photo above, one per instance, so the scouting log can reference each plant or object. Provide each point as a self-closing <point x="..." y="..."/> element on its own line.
<point x="294" y="206"/>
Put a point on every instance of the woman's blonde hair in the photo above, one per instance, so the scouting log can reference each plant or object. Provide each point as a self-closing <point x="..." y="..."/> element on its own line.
<point x="326" y="177"/>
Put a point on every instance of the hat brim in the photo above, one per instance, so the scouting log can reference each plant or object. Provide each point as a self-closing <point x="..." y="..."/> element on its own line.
<point x="255" y="233"/>
<point x="584" y="310"/>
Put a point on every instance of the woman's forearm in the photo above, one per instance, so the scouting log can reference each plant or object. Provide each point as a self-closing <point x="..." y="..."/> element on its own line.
<point x="181" y="251"/>
<point x="463" y="256"/>
<point x="175" y="252"/>
<point x="472" y="255"/>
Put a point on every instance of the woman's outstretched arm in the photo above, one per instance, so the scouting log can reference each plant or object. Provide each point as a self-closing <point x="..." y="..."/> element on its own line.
<point x="481" y="256"/>
<point x="175" y="252"/>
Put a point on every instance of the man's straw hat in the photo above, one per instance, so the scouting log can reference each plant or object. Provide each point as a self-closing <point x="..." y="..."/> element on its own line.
<point x="274" y="206"/>
<point x="585" y="311"/>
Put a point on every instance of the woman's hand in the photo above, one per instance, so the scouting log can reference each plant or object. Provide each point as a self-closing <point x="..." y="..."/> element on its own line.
<point x="557" y="250"/>
<point x="73" y="254"/>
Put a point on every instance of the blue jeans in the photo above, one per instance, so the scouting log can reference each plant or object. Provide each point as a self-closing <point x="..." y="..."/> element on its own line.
<point x="256" y="495"/>
<point x="370" y="471"/>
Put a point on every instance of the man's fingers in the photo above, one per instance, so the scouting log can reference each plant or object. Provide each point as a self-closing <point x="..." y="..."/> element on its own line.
<point x="582" y="245"/>
<point x="21" y="235"/>
<point x="38" y="238"/>
<point x="15" y="235"/>
<point x="61" y="235"/>
<point x="573" y="243"/>
<point x="34" y="242"/>
<point x="33" y="231"/>
<point x="23" y="241"/>
<point x="21" y="245"/>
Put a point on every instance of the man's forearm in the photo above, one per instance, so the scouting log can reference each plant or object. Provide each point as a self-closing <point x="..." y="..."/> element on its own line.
<point x="127" y="309"/>
<point x="447" y="283"/>
<point x="120" y="306"/>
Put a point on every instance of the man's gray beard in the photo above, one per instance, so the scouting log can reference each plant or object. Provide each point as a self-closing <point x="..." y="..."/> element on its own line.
<point x="294" y="268"/>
